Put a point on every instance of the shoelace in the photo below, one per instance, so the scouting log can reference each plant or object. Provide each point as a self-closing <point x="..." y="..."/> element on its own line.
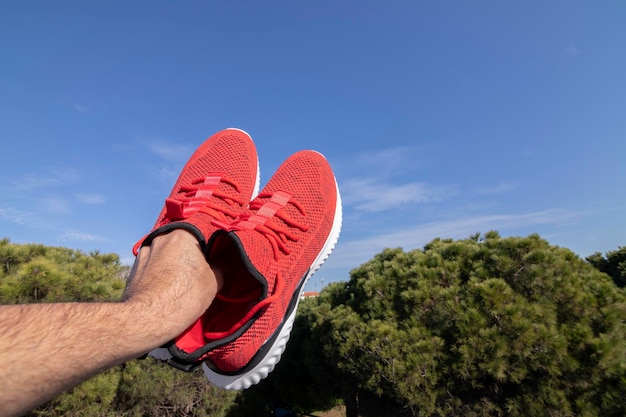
<point x="262" y="220"/>
<point x="199" y="197"/>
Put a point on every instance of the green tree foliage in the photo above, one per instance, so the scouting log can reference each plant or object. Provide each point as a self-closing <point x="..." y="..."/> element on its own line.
<point x="613" y="264"/>
<point x="302" y="381"/>
<point x="142" y="388"/>
<point x="486" y="326"/>
<point x="37" y="273"/>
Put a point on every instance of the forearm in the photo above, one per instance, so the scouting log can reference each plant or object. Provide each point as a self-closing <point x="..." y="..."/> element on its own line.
<point x="46" y="349"/>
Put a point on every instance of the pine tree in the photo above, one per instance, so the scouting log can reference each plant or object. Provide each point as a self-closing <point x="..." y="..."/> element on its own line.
<point x="486" y="326"/>
<point x="613" y="264"/>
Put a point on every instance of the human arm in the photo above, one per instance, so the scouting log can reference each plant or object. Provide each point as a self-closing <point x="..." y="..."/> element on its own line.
<point x="46" y="349"/>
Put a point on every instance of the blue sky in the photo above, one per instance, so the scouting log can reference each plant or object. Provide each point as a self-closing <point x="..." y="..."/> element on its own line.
<point x="441" y="119"/>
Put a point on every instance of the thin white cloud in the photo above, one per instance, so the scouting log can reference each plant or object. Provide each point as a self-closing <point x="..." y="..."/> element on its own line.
<point x="381" y="188"/>
<point x="86" y="237"/>
<point x="168" y="176"/>
<point x="90" y="199"/>
<point x="500" y="188"/>
<point x="387" y="158"/>
<point x="55" y="205"/>
<point x="350" y="254"/>
<point x="14" y="216"/>
<point x="169" y="151"/>
<point x="368" y="194"/>
<point x="52" y="178"/>
<point x="390" y="161"/>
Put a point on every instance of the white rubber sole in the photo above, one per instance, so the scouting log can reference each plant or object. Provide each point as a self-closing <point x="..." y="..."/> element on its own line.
<point x="267" y="364"/>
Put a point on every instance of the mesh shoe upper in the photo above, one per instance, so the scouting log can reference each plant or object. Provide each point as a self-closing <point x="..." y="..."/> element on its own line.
<point x="267" y="255"/>
<point x="216" y="183"/>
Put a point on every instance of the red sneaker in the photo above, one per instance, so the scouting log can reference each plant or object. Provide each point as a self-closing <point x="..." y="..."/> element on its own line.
<point x="268" y="254"/>
<point x="217" y="182"/>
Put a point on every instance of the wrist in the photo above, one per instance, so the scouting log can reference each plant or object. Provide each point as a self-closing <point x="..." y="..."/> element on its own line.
<point x="164" y="296"/>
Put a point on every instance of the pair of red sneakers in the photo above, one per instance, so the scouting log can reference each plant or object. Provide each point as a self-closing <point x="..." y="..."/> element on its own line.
<point x="268" y="246"/>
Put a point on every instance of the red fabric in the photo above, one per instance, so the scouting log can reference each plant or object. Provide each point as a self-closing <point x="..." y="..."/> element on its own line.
<point x="298" y="207"/>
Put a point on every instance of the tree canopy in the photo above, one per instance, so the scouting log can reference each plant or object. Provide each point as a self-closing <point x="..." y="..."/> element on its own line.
<point x="36" y="273"/>
<point x="485" y="326"/>
<point x="613" y="264"/>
